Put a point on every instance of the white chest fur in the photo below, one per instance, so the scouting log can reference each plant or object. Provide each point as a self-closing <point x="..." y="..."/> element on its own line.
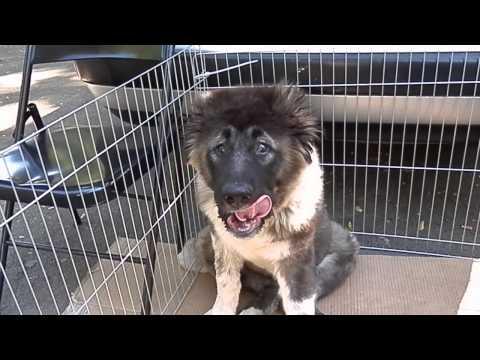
<point x="262" y="250"/>
<point x="259" y="250"/>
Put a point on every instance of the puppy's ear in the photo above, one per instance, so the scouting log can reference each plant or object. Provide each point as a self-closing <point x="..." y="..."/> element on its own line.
<point x="303" y="126"/>
<point x="194" y="124"/>
<point x="199" y="101"/>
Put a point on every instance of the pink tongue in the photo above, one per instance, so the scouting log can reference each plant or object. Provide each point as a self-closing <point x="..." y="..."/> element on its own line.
<point x="259" y="209"/>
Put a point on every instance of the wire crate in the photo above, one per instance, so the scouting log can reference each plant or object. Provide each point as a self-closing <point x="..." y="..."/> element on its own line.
<point x="98" y="203"/>
<point x="400" y="146"/>
<point x="102" y="201"/>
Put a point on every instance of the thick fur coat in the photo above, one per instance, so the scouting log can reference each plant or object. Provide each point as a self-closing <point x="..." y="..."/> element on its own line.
<point x="262" y="143"/>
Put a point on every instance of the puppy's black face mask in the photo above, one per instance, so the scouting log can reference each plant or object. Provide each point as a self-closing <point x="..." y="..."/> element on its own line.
<point x="250" y="145"/>
<point x="243" y="165"/>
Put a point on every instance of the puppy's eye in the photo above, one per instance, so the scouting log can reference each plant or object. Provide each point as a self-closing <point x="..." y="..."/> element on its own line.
<point x="220" y="149"/>
<point x="262" y="149"/>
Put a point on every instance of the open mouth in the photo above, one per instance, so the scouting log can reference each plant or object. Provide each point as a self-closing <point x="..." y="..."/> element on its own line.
<point x="245" y="221"/>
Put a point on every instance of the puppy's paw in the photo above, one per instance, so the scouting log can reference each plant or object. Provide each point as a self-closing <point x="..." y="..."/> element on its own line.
<point x="209" y="312"/>
<point x="218" y="311"/>
<point x="189" y="259"/>
<point x="252" y="311"/>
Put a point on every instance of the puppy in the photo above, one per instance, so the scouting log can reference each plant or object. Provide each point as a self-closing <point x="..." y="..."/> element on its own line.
<point x="260" y="185"/>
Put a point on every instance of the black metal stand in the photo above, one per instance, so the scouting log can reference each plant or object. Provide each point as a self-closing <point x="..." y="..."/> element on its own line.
<point x="24" y="112"/>
<point x="151" y="240"/>
<point x="17" y="135"/>
<point x="154" y="237"/>
<point x="77" y="217"/>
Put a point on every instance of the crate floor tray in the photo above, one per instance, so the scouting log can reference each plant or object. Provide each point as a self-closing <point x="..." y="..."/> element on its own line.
<point x="380" y="285"/>
<point x="384" y="285"/>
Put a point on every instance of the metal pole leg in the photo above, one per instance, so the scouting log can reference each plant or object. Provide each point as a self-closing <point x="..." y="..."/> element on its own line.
<point x="17" y="135"/>
<point x="164" y="149"/>
<point x="77" y="217"/>
<point x="151" y="257"/>
<point x="4" y="243"/>
<point x="181" y="231"/>
<point x="149" y="274"/>
<point x="155" y="236"/>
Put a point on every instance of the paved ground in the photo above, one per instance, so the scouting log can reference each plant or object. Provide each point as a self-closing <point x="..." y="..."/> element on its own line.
<point x="56" y="90"/>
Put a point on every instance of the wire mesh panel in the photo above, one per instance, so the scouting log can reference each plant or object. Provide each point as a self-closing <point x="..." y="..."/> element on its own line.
<point x="400" y="146"/>
<point x="104" y="201"/>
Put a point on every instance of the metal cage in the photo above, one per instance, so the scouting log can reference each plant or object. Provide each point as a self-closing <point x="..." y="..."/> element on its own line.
<point x="400" y="146"/>
<point x="99" y="202"/>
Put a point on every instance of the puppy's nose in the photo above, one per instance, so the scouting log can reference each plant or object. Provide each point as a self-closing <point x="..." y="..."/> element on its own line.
<point x="237" y="194"/>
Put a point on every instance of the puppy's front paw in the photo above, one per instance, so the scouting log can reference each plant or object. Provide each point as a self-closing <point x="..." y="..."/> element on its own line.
<point x="209" y="312"/>
<point x="189" y="259"/>
<point x="218" y="311"/>
<point x="252" y="311"/>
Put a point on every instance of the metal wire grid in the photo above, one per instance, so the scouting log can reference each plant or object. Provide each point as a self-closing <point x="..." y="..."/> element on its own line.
<point x="401" y="155"/>
<point x="395" y="194"/>
<point x="100" y="266"/>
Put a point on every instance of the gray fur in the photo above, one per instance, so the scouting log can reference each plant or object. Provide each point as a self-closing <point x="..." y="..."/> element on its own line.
<point x="339" y="262"/>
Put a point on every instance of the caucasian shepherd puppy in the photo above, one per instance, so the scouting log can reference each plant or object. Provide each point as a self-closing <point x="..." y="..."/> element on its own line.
<point x="260" y="184"/>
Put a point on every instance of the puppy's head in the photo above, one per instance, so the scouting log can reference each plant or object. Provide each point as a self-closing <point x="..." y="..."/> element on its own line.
<point x="249" y="145"/>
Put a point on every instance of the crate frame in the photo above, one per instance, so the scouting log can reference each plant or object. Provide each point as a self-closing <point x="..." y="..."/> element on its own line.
<point x="192" y="70"/>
